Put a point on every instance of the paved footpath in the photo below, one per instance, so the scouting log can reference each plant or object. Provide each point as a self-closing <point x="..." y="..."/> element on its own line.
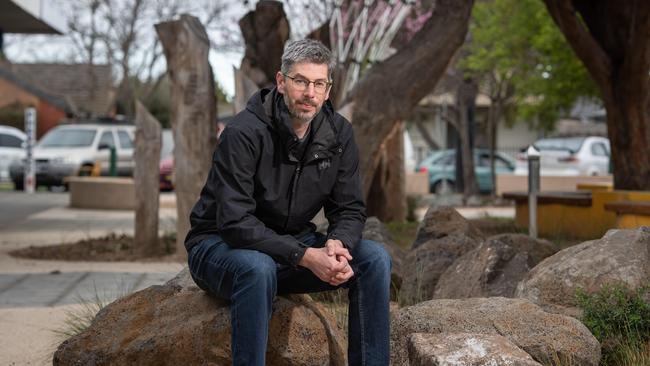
<point x="37" y="297"/>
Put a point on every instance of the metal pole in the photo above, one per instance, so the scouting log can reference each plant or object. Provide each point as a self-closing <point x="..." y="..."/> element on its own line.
<point x="113" y="163"/>
<point x="533" y="189"/>
<point x="29" y="179"/>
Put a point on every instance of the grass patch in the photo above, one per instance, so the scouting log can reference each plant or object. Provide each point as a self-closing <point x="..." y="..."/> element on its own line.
<point x="403" y="233"/>
<point x="620" y="319"/>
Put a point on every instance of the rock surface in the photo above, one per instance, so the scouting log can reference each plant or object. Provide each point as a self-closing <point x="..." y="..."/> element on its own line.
<point x="540" y="334"/>
<point x="620" y="256"/>
<point x="375" y="230"/>
<point x="443" y="236"/>
<point x="179" y="324"/>
<point x="459" y="349"/>
<point x="494" y="268"/>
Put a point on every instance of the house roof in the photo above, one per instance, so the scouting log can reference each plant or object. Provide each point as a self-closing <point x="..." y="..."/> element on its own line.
<point x="8" y="75"/>
<point x="85" y="89"/>
<point x="31" y="16"/>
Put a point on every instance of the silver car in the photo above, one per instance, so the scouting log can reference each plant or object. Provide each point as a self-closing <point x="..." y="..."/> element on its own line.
<point x="78" y="149"/>
<point x="569" y="156"/>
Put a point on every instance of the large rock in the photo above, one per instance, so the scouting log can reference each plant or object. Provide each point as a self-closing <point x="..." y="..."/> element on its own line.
<point x="542" y="335"/>
<point x="179" y="324"/>
<point x="459" y="349"/>
<point x="443" y="221"/>
<point x="494" y="268"/>
<point x="443" y="236"/>
<point x="375" y="230"/>
<point x="621" y="256"/>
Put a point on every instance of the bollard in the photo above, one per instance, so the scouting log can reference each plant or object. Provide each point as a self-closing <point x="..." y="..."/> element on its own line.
<point x="533" y="189"/>
<point x="29" y="169"/>
<point x="113" y="163"/>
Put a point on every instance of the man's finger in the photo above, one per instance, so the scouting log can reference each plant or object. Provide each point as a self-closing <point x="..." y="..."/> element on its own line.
<point x="343" y="252"/>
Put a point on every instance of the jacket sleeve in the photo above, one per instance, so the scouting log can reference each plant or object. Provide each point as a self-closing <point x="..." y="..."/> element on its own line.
<point x="345" y="208"/>
<point x="232" y="176"/>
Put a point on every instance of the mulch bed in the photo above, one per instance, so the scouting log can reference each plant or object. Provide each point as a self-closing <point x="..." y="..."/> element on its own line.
<point x="111" y="248"/>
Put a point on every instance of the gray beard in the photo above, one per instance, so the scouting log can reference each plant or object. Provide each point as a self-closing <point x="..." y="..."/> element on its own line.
<point x="301" y="118"/>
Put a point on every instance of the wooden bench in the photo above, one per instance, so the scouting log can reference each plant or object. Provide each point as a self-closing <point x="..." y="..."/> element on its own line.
<point x="630" y="214"/>
<point x="577" y="198"/>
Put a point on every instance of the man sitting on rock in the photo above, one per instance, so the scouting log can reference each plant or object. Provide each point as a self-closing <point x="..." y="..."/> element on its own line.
<point x="281" y="160"/>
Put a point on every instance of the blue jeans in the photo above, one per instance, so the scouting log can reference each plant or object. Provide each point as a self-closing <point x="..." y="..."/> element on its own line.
<point x="250" y="280"/>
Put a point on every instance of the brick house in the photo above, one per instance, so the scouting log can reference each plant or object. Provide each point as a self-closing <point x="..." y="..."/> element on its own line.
<point x="57" y="91"/>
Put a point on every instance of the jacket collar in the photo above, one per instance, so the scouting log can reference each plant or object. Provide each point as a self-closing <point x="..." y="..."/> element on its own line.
<point x="268" y="105"/>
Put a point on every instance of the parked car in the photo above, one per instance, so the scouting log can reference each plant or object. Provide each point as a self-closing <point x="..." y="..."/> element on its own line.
<point x="78" y="149"/>
<point x="441" y="166"/>
<point x="569" y="156"/>
<point x="12" y="141"/>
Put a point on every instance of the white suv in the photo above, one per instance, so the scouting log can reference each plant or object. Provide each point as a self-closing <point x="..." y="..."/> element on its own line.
<point x="78" y="149"/>
<point x="12" y="142"/>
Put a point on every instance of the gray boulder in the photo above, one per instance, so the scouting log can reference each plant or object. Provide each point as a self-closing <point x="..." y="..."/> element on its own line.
<point x="375" y="230"/>
<point x="621" y="256"/>
<point x="460" y="349"/>
<point x="542" y="335"/>
<point x="443" y="236"/>
<point x="179" y="324"/>
<point x="494" y="268"/>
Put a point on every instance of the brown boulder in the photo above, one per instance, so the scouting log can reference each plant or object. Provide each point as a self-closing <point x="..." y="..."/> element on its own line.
<point x="443" y="236"/>
<point x="179" y="324"/>
<point x="620" y="256"/>
<point x="443" y="221"/>
<point x="457" y="349"/>
<point x="494" y="268"/>
<point x="542" y="335"/>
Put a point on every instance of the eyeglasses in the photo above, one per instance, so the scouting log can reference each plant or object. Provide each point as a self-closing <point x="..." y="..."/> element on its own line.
<point x="301" y="84"/>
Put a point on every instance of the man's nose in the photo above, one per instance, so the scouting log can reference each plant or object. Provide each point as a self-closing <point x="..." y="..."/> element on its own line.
<point x="311" y="90"/>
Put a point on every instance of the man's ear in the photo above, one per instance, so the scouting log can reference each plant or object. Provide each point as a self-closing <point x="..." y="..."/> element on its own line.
<point x="280" y="81"/>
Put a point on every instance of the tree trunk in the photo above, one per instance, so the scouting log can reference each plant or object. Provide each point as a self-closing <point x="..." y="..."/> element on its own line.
<point x="391" y="89"/>
<point x="146" y="179"/>
<point x="193" y="117"/>
<point x="467" y="91"/>
<point x="386" y="198"/>
<point x="265" y="31"/>
<point x="612" y="38"/>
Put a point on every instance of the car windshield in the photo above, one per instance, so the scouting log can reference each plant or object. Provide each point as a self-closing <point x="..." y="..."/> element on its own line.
<point x="68" y="138"/>
<point x="571" y="144"/>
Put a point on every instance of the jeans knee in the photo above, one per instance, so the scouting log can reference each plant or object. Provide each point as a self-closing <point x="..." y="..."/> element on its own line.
<point x="260" y="271"/>
<point x="376" y="255"/>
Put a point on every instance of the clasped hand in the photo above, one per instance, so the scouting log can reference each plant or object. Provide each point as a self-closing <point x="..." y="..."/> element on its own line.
<point x="330" y="263"/>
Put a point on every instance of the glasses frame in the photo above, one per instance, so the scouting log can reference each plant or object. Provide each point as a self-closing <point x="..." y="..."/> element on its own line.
<point x="328" y="84"/>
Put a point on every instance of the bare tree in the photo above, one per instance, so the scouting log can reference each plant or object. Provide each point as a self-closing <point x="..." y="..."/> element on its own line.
<point x="390" y="89"/>
<point x="193" y="121"/>
<point x="146" y="177"/>
<point x="612" y="38"/>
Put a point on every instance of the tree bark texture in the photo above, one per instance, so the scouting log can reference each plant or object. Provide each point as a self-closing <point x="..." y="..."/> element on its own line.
<point x="148" y="137"/>
<point x="391" y="89"/>
<point x="466" y="100"/>
<point x="389" y="181"/>
<point x="612" y="38"/>
<point x="265" y="30"/>
<point x="193" y="118"/>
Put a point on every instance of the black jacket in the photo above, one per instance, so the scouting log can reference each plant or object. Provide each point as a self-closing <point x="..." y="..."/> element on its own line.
<point x="259" y="196"/>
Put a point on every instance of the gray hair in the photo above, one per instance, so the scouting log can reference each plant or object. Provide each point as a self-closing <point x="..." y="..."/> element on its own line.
<point x="307" y="50"/>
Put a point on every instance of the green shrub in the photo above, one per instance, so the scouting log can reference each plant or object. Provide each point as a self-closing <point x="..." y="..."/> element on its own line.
<point x="620" y="319"/>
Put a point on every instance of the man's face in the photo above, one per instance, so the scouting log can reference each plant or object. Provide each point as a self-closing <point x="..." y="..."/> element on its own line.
<point x="303" y="103"/>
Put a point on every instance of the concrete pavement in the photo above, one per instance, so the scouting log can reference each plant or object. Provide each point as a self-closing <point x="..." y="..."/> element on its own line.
<point x="37" y="296"/>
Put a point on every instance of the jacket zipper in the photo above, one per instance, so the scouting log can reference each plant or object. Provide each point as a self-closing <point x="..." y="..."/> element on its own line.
<point x="294" y="188"/>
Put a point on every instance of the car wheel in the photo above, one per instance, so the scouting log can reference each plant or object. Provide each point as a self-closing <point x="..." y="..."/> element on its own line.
<point x="443" y="187"/>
